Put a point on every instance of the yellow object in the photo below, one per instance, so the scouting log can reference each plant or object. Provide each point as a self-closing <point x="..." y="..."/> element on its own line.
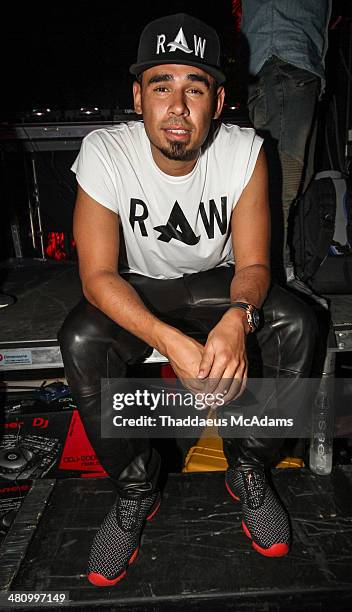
<point x="208" y="456"/>
<point x="291" y="462"/>
<point x="204" y="459"/>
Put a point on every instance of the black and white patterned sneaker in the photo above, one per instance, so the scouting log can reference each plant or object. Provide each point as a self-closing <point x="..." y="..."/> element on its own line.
<point x="116" y="544"/>
<point x="265" y="521"/>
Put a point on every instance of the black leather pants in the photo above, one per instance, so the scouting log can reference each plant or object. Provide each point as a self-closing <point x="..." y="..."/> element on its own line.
<point x="94" y="347"/>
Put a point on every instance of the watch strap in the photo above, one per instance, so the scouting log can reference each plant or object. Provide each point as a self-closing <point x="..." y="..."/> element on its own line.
<point x="248" y="310"/>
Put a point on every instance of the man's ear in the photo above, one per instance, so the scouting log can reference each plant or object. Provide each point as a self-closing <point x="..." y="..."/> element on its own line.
<point x="137" y="97"/>
<point x="219" y="101"/>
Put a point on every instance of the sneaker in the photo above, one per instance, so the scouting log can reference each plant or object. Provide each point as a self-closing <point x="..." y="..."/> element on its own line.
<point x="265" y="521"/>
<point x="116" y="544"/>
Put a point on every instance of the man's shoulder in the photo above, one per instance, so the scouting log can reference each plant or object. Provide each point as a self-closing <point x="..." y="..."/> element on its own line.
<point x="232" y="132"/>
<point x="121" y="132"/>
<point x="231" y="140"/>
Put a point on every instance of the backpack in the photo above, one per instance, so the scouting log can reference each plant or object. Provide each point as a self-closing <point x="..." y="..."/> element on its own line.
<point x="322" y="234"/>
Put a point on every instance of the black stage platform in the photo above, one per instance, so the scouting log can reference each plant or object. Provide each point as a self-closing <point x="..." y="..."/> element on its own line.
<point x="194" y="555"/>
<point x="45" y="293"/>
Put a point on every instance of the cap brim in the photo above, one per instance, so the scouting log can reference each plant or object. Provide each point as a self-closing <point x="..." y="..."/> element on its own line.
<point x="218" y="75"/>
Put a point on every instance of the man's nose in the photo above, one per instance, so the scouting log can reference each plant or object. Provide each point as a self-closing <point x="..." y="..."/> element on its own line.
<point x="178" y="105"/>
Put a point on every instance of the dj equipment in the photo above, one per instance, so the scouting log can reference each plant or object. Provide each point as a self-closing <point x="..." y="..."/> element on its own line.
<point x="46" y="147"/>
<point x="45" y="130"/>
<point x="27" y="456"/>
<point x="11" y="498"/>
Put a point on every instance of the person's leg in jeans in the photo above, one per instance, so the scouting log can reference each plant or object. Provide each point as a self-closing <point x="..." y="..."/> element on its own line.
<point x="282" y="106"/>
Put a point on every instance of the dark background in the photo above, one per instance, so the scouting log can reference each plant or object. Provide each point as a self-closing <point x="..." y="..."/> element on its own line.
<point x="64" y="55"/>
<point x="67" y="55"/>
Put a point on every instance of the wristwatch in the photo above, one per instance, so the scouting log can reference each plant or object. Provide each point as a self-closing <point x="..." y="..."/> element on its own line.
<point x="252" y="314"/>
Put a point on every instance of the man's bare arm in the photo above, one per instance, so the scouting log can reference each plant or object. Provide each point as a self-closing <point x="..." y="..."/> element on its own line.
<point x="225" y="352"/>
<point x="96" y="232"/>
<point x="250" y="231"/>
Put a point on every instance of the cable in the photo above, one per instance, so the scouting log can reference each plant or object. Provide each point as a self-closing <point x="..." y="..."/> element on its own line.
<point x="348" y="72"/>
<point x="22" y="387"/>
<point x="328" y="146"/>
<point x="337" y="136"/>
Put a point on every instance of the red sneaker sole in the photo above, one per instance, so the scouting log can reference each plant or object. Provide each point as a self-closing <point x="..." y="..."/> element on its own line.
<point x="100" y="580"/>
<point x="231" y="492"/>
<point x="153" y="513"/>
<point x="276" y="550"/>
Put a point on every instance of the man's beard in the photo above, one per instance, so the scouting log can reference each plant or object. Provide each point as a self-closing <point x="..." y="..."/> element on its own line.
<point x="177" y="151"/>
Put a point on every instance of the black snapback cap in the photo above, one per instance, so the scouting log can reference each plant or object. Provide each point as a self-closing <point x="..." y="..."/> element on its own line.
<point x="179" y="39"/>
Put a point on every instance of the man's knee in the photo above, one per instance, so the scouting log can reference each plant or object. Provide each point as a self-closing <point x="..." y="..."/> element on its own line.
<point x="88" y="336"/>
<point x="295" y="315"/>
<point x="75" y="334"/>
<point x="302" y="318"/>
<point x="85" y="344"/>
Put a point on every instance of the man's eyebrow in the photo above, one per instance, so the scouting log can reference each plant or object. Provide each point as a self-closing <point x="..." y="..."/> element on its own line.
<point x="192" y="76"/>
<point x="159" y="78"/>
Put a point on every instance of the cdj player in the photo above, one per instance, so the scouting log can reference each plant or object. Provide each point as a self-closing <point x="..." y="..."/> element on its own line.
<point x="27" y="456"/>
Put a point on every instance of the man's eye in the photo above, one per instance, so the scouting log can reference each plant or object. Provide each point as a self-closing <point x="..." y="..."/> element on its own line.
<point x="195" y="91"/>
<point x="160" y="88"/>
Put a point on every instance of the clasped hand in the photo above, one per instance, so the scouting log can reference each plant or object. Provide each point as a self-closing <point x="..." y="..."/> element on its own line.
<point x="219" y="368"/>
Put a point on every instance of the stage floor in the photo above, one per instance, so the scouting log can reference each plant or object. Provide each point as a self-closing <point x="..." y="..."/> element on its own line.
<point x="194" y="555"/>
<point x="45" y="293"/>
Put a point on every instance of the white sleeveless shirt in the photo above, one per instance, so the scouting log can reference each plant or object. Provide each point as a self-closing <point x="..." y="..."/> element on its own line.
<point x="172" y="225"/>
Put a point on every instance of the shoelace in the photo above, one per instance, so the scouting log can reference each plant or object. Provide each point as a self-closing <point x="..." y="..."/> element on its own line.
<point x="254" y="484"/>
<point x="127" y="513"/>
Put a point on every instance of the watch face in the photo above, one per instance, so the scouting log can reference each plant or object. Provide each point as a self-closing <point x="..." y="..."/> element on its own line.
<point x="255" y="318"/>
